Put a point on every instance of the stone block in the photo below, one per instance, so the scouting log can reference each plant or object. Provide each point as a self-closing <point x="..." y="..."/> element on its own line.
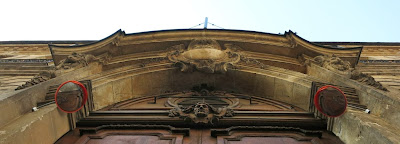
<point x="103" y="96"/>
<point x="244" y="82"/>
<point x="122" y="89"/>
<point x="225" y="82"/>
<point x="301" y="96"/>
<point x="44" y="126"/>
<point x="41" y="131"/>
<point x="186" y="81"/>
<point x="141" y="84"/>
<point x="283" y="90"/>
<point x="60" y="121"/>
<point x="161" y="81"/>
<point x="359" y="128"/>
<point x="265" y="86"/>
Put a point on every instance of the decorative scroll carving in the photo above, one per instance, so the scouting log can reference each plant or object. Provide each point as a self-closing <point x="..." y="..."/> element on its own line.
<point x="201" y="113"/>
<point x="204" y="55"/>
<point x="41" y="77"/>
<point x="76" y="60"/>
<point x="333" y="63"/>
<point x="366" y="79"/>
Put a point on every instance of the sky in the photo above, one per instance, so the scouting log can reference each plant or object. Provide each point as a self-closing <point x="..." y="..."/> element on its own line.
<point x="313" y="20"/>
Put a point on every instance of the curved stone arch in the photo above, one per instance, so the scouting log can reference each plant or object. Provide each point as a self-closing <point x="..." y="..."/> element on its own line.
<point x="271" y="83"/>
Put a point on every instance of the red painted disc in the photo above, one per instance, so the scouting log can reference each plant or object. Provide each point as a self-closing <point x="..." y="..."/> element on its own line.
<point x="330" y="101"/>
<point x="71" y="96"/>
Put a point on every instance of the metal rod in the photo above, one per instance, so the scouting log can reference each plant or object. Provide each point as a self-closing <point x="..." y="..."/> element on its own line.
<point x="205" y="23"/>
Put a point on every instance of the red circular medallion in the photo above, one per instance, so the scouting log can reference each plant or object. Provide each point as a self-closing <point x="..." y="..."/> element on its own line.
<point x="71" y="96"/>
<point x="330" y="101"/>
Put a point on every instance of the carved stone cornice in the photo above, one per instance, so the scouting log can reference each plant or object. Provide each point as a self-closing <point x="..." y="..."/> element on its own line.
<point x="366" y="79"/>
<point x="190" y="34"/>
<point x="76" y="60"/>
<point x="107" y="45"/>
<point x="41" y="77"/>
<point x="288" y="45"/>
<point x="87" y="48"/>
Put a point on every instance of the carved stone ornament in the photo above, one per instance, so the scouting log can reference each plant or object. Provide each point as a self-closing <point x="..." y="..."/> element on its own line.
<point x="104" y="58"/>
<point x="333" y="63"/>
<point x="41" y="77"/>
<point x="366" y="79"/>
<point x="201" y="113"/>
<point x="204" y="55"/>
<point x="76" y="60"/>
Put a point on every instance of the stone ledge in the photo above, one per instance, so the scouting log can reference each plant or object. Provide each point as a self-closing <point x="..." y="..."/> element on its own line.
<point x="17" y="103"/>
<point x="359" y="128"/>
<point x="43" y="126"/>
<point x="385" y="105"/>
<point x="381" y="126"/>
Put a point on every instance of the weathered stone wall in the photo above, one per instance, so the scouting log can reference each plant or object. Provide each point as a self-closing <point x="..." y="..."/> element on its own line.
<point x="17" y="103"/>
<point x="384" y="104"/>
<point x="384" y="108"/>
<point x="356" y="127"/>
<point x="274" y="85"/>
<point x="44" y="126"/>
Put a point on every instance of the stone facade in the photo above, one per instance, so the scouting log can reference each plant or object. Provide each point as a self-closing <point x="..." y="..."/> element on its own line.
<point x="235" y="84"/>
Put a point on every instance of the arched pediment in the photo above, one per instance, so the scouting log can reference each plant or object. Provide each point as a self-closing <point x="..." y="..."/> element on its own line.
<point x="288" y="45"/>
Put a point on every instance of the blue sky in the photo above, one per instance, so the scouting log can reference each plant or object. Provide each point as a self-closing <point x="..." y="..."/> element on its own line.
<point x="339" y="20"/>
